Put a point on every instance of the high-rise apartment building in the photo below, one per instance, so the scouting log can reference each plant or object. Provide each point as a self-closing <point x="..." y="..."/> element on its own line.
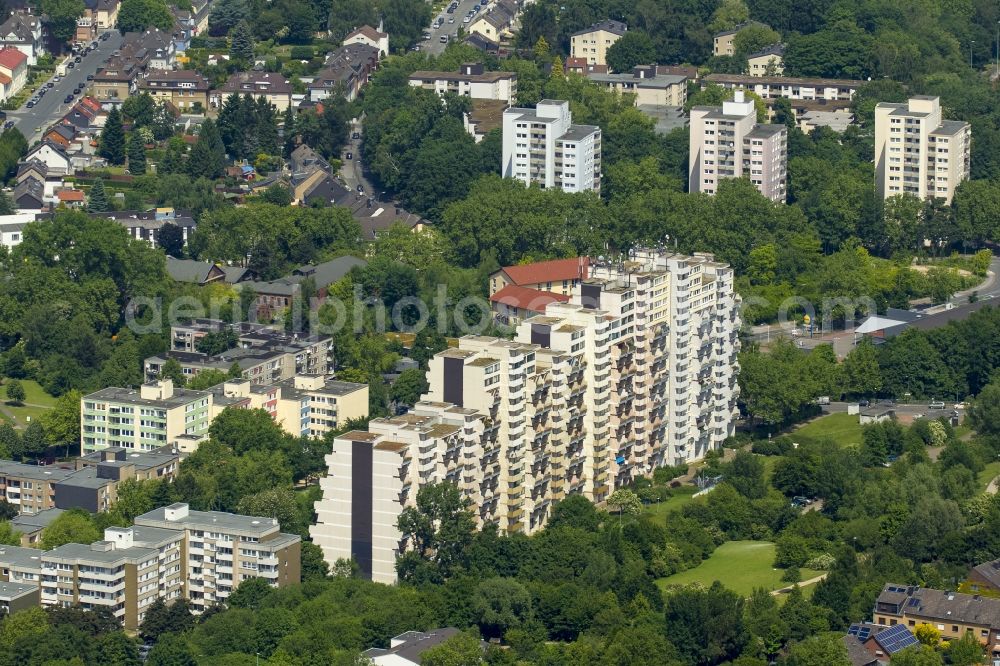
<point x="542" y="145"/>
<point x="918" y="153"/>
<point x="636" y="372"/>
<point x="727" y="142"/>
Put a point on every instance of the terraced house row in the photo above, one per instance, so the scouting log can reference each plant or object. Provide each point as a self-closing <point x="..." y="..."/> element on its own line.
<point x="635" y="371"/>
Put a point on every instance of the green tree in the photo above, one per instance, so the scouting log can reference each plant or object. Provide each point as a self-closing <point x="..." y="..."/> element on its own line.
<point x="278" y="503"/>
<point x="633" y="48"/>
<point x="500" y="604"/>
<point x="922" y="655"/>
<point x="241" y="49"/>
<point x="162" y="619"/>
<point x="575" y="511"/>
<point x="138" y="15"/>
<point x="624" y="501"/>
<point x="208" y="157"/>
<point x="29" y="624"/>
<point x="133" y="500"/>
<point x="112" y="142"/>
<point x="62" y="422"/>
<point x="818" y="651"/>
<point x="461" y="650"/>
<point x="440" y="529"/>
<point x="409" y="386"/>
<point x="8" y="535"/>
<point x="174" y="159"/>
<point x="170" y="238"/>
<point x="97" y="201"/>
<point x="73" y="526"/>
<point x="140" y="109"/>
<point x="15" y="391"/>
<point x="706" y="625"/>
<point x="861" y="372"/>
<point x="966" y="651"/>
<point x="172" y="650"/>
<point x="314" y="567"/>
<point x="34" y="441"/>
<point x="753" y="38"/>
<point x="136" y="155"/>
<point x="10" y="441"/>
<point x="172" y="370"/>
<point x="61" y="16"/>
<point x="250" y="593"/>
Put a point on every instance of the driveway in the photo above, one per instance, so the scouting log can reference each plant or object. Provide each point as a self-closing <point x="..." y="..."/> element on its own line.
<point x="51" y="107"/>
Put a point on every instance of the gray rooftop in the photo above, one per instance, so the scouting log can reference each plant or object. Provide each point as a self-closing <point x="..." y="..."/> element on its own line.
<point x="210" y="520"/>
<point x="656" y="81"/>
<point x="578" y="132"/>
<point x="10" y="591"/>
<point x="16" y="557"/>
<point x="27" y="523"/>
<point x="412" y="644"/>
<point x="766" y="131"/>
<point x="951" y="127"/>
<point x="49" y="473"/>
<point x="131" y="396"/>
<point x="96" y="552"/>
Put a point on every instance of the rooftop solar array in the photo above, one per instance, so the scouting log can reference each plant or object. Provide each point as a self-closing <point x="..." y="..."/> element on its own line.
<point x="895" y="638"/>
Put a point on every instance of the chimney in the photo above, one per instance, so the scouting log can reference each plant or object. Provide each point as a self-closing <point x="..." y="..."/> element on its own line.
<point x="738" y="97"/>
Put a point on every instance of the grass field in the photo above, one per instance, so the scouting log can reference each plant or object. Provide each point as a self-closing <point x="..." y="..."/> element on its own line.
<point x="989" y="473"/>
<point x="842" y="428"/>
<point x="36" y="403"/>
<point x="739" y="565"/>
<point x="680" y="497"/>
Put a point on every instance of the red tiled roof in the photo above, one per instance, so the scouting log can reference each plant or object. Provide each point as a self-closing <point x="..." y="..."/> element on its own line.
<point x="548" y="271"/>
<point x="12" y="58"/>
<point x="531" y="300"/>
<point x="70" y="195"/>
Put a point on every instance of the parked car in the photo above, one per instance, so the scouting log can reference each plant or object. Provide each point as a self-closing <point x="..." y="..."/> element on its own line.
<point x="90" y="77"/>
<point x="350" y="156"/>
<point x="30" y="103"/>
<point x="451" y="19"/>
<point x="49" y="84"/>
<point x="105" y="36"/>
<point x="936" y="404"/>
<point x="356" y="135"/>
<point x="71" y="65"/>
<point x="361" y="190"/>
<point x="444" y="39"/>
<point x="864" y="403"/>
<point x="77" y="59"/>
<point x="69" y="98"/>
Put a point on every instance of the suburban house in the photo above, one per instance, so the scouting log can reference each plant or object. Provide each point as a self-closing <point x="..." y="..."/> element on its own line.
<point x="13" y="71"/>
<point x="407" y="648"/>
<point x="52" y="156"/>
<point x="70" y="197"/>
<point x="984" y="578"/>
<point x="23" y="31"/>
<point x="520" y="292"/>
<point x="185" y="89"/>
<point x="12" y="228"/>
<point x="29" y="194"/>
<point x="496" y="24"/>
<point x="346" y="70"/>
<point x="769" y="61"/>
<point x="953" y="614"/>
<point x="146" y="225"/>
<point x="277" y="295"/>
<point x="61" y="135"/>
<point x="592" y="43"/>
<point x="195" y="272"/>
<point x="118" y="79"/>
<point x="86" y="28"/>
<point x="31" y="525"/>
<point x="484" y="44"/>
<point x="471" y="80"/>
<point x="154" y="45"/>
<point x="648" y="86"/>
<point x="105" y="12"/>
<point x="870" y="644"/>
<point x="558" y="275"/>
<point x="371" y="37"/>
<point x="272" y="86"/>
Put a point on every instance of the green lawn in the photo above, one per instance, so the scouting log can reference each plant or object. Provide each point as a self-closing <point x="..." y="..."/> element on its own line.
<point x="36" y="403"/>
<point x="739" y="565"/>
<point x="842" y="428"/>
<point x="989" y="473"/>
<point x="679" y="498"/>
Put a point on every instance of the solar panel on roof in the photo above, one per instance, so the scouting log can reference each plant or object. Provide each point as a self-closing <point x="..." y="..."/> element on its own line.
<point x="861" y="631"/>
<point x="896" y="638"/>
<point x="914" y="601"/>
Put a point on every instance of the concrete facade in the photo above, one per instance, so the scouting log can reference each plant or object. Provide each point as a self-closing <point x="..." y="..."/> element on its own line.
<point x="542" y="146"/>
<point x="918" y="153"/>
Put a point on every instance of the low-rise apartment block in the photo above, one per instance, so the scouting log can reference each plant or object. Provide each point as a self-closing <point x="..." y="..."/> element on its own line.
<point x="221" y="550"/>
<point x="727" y="142"/>
<point x="264" y="355"/>
<point x="648" y="87"/>
<point x="543" y="146"/>
<point x="170" y="553"/>
<point x="769" y="61"/>
<point x="723" y="43"/>
<point x="144" y="419"/>
<point x="91" y="484"/>
<point x="918" y="152"/>
<point x="272" y="86"/>
<point x="593" y="43"/>
<point x="471" y="80"/>
<point x="788" y="87"/>
<point x="636" y="371"/>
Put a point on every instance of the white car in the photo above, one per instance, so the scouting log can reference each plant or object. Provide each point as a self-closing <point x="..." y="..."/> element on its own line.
<point x="466" y="19"/>
<point x="451" y="19"/>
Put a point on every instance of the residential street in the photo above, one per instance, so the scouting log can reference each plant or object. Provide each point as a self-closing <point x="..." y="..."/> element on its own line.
<point x="32" y="122"/>
<point x="434" y="46"/>
<point x="352" y="172"/>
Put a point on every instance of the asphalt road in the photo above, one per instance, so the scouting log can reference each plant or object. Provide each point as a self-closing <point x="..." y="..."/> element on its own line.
<point x="352" y="172"/>
<point x="434" y="46"/>
<point x="51" y="107"/>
